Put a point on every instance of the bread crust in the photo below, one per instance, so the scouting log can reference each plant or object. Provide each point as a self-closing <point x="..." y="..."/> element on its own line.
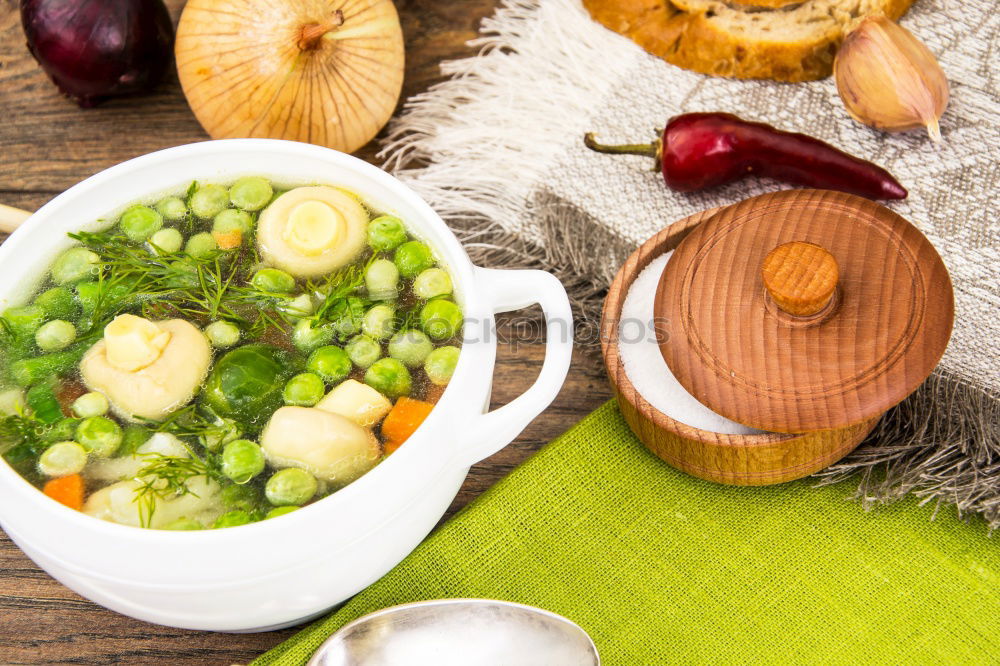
<point x="771" y="4"/>
<point x="695" y="39"/>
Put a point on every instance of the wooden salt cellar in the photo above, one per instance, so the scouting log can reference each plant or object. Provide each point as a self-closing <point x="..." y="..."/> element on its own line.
<point x="804" y="313"/>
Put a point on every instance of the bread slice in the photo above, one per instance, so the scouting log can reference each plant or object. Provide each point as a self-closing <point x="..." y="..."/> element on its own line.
<point x="743" y="39"/>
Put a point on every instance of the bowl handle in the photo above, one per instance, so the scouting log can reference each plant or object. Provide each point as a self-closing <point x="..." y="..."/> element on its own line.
<point x="509" y="290"/>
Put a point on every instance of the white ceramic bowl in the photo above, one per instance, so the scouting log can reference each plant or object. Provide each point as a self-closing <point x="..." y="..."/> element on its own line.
<point x="280" y="572"/>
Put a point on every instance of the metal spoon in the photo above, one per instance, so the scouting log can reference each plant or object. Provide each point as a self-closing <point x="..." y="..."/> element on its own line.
<point x="453" y="632"/>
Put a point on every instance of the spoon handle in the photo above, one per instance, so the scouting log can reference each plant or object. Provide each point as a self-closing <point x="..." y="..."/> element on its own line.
<point x="11" y="218"/>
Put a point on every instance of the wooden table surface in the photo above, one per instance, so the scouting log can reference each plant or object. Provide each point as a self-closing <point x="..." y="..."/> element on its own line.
<point x="46" y="145"/>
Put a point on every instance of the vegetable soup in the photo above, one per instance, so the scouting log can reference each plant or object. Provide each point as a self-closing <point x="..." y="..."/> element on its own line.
<point x="224" y="356"/>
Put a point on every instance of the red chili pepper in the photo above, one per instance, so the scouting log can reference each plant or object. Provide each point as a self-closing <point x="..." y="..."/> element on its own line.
<point x="699" y="150"/>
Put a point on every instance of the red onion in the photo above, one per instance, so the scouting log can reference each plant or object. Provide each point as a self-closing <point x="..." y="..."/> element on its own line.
<point x="95" y="49"/>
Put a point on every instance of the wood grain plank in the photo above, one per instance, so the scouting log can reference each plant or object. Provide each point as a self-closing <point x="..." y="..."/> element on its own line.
<point x="42" y="622"/>
<point x="46" y="145"/>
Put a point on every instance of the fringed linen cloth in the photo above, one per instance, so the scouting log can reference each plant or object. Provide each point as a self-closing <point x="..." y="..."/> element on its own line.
<point x="497" y="150"/>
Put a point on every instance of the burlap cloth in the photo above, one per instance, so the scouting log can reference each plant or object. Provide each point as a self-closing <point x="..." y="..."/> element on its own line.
<point x="497" y="151"/>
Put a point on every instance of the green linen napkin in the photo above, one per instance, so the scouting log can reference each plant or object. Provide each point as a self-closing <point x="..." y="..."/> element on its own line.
<point x="660" y="567"/>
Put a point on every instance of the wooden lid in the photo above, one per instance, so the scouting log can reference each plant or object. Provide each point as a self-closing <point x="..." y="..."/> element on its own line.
<point x="803" y="310"/>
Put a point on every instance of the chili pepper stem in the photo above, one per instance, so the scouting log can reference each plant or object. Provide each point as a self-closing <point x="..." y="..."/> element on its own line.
<point x="653" y="149"/>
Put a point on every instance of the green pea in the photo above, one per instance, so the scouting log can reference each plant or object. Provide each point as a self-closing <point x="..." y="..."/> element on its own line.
<point x="432" y="283"/>
<point x="298" y="307"/>
<point x="245" y="497"/>
<point x="167" y="241"/>
<point x="440" y="364"/>
<point x="411" y="347"/>
<point x="57" y="302"/>
<point x="290" y="487"/>
<point x="139" y="223"/>
<point x="88" y="294"/>
<point x="233" y="519"/>
<point x="330" y="362"/>
<point x="273" y="281"/>
<point x="363" y="351"/>
<point x="280" y="511"/>
<point x="350" y="317"/>
<point x="413" y="257"/>
<point x="386" y="233"/>
<point x="304" y="390"/>
<point x="224" y="431"/>
<point x="382" y="280"/>
<point x="379" y="322"/>
<point x="242" y="460"/>
<point x="390" y="377"/>
<point x="231" y="220"/>
<point x="75" y="264"/>
<point x="222" y="334"/>
<point x="251" y="193"/>
<point x="11" y="402"/>
<point x="55" y="335"/>
<point x="90" y="404"/>
<point x="99" y="435"/>
<point x="441" y="319"/>
<point x="62" y="459"/>
<point x="208" y="201"/>
<point x="201" y="246"/>
<point x="309" y="335"/>
<point x="24" y="320"/>
<point x="184" y="524"/>
<point x="172" y="208"/>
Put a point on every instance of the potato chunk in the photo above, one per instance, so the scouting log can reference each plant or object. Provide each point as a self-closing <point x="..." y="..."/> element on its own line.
<point x="127" y="467"/>
<point x="357" y="402"/>
<point x="117" y="504"/>
<point x="330" y="446"/>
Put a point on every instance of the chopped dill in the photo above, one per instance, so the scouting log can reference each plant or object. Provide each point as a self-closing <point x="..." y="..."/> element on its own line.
<point x="407" y="319"/>
<point x="337" y="287"/>
<point x="204" y="289"/>
<point x="22" y="440"/>
<point x="190" y="421"/>
<point x="167" y="477"/>
<point x="20" y="429"/>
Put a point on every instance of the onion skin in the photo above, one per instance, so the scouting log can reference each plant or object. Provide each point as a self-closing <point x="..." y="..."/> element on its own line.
<point x="327" y="72"/>
<point x="97" y="49"/>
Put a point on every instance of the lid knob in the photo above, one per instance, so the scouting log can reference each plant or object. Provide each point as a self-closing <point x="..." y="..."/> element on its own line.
<point x="800" y="277"/>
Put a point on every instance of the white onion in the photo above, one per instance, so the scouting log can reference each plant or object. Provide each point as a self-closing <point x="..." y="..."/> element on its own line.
<point x="321" y="71"/>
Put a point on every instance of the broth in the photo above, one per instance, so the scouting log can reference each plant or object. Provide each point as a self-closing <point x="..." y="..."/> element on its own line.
<point x="225" y="355"/>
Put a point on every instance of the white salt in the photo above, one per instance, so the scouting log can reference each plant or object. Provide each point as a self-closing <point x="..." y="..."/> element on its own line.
<point x="644" y="364"/>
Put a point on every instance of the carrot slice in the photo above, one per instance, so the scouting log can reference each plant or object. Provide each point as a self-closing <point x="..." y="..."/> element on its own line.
<point x="66" y="490"/>
<point x="405" y="417"/>
<point x="227" y="240"/>
<point x="390" y="446"/>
